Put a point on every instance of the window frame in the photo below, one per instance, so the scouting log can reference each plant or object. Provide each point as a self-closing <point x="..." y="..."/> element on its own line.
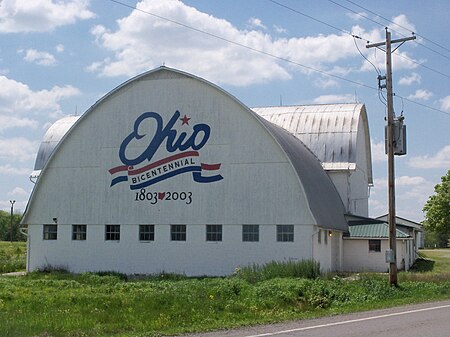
<point x="285" y="233"/>
<point x="178" y="233"/>
<point x="249" y="234"/>
<point x="214" y="233"/>
<point x="79" y="232"/>
<point x="376" y="243"/>
<point x="112" y="232"/>
<point x="48" y="234"/>
<point x="146" y="233"/>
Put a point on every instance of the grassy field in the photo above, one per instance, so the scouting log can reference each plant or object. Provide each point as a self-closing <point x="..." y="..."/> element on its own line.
<point x="12" y="256"/>
<point x="62" y="304"/>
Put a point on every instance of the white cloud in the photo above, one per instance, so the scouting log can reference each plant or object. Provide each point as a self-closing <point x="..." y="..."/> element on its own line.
<point x="134" y="42"/>
<point x="279" y="29"/>
<point x="421" y="94"/>
<point x="18" y="148"/>
<point x="10" y="122"/>
<point x="59" y="48"/>
<point x="326" y="82"/>
<point x="41" y="15"/>
<point x="440" y="160"/>
<point x="10" y="170"/>
<point x="409" y="181"/>
<point x="356" y="16"/>
<point x="409" y="80"/>
<point x="411" y="194"/>
<point x="328" y="99"/>
<point x="378" y="151"/>
<point x="17" y="98"/>
<point x="41" y="58"/>
<point x="445" y="103"/>
<point x="402" y="26"/>
<point x="256" y="23"/>
<point x="18" y="192"/>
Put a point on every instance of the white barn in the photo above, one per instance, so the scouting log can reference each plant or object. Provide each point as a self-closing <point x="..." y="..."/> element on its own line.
<point x="169" y="173"/>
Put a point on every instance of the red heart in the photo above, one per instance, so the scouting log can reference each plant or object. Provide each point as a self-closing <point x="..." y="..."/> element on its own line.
<point x="161" y="195"/>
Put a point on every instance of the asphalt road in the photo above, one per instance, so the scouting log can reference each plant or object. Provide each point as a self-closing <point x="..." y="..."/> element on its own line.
<point x="422" y="320"/>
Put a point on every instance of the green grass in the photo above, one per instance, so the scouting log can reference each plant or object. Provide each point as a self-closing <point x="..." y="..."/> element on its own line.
<point x="12" y="256"/>
<point x="57" y="303"/>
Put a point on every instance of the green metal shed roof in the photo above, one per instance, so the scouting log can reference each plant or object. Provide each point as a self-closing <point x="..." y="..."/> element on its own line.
<point x="373" y="230"/>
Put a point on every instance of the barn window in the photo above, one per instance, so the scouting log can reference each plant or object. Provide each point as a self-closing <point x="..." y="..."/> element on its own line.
<point x="250" y="233"/>
<point x="374" y="245"/>
<point x="146" y="232"/>
<point x="178" y="232"/>
<point x="285" y="233"/>
<point x="112" y="232"/>
<point x="50" y="232"/>
<point x="213" y="232"/>
<point x="79" y="232"/>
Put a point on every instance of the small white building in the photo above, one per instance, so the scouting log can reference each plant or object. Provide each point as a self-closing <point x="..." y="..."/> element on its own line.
<point x="169" y="173"/>
<point x="366" y="242"/>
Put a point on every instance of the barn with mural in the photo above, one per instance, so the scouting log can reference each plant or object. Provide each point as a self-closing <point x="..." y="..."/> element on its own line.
<point x="170" y="173"/>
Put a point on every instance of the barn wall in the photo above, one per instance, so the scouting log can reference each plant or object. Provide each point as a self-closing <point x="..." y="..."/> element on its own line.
<point x="194" y="257"/>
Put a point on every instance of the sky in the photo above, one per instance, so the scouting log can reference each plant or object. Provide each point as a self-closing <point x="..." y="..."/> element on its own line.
<point x="58" y="57"/>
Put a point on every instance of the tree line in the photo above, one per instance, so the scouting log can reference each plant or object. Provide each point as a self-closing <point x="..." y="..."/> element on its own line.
<point x="6" y="230"/>
<point x="437" y="215"/>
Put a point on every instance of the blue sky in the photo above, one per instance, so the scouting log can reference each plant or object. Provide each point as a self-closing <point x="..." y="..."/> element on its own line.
<point x="58" y="57"/>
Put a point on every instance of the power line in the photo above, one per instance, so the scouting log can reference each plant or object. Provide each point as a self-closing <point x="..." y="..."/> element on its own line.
<point x="423" y="105"/>
<point x="245" y="46"/>
<point x="402" y="56"/>
<point x="310" y="17"/>
<point x="322" y="72"/>
<point x="405" y="28"/>
<point x="349" y="33"/>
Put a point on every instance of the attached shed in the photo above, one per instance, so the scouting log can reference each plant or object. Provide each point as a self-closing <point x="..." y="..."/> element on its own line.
<point x="366" y="242"/>
<point x="169" y="173"/>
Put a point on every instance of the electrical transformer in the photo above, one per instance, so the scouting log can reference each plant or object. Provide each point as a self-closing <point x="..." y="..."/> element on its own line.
<point x="399" y="140"/>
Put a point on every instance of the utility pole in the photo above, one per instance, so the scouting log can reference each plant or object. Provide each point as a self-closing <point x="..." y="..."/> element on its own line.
<point x="390" y="152"/>
<point x="12" y="212"/>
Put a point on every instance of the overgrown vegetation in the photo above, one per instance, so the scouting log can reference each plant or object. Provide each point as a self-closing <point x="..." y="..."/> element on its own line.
<point x="12" y="256"/>
<point x="57" y="303"/>
<point x="297" y="269"/>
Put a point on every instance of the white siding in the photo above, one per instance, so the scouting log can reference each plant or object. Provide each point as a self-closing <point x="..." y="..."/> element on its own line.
<point x="259" y="186"/>
<point x="358" y="258"/>
<point x="194" y="257"/>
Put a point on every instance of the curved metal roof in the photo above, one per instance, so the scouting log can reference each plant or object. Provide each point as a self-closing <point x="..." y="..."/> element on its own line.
<point x="323" y="198"/>
<point x="329" y="131"/>
<point x="51" y="139"/>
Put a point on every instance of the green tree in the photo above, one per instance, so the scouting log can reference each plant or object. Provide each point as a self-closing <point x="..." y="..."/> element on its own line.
<point x="437" y="211"/>
<point x="5" y="227"/>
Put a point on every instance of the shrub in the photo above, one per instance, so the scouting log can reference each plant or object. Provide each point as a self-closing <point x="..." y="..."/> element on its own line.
<point x="294" y="269"/>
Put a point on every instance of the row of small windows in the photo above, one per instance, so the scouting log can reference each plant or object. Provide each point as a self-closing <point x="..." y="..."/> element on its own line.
<point x="250" y="233"/>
